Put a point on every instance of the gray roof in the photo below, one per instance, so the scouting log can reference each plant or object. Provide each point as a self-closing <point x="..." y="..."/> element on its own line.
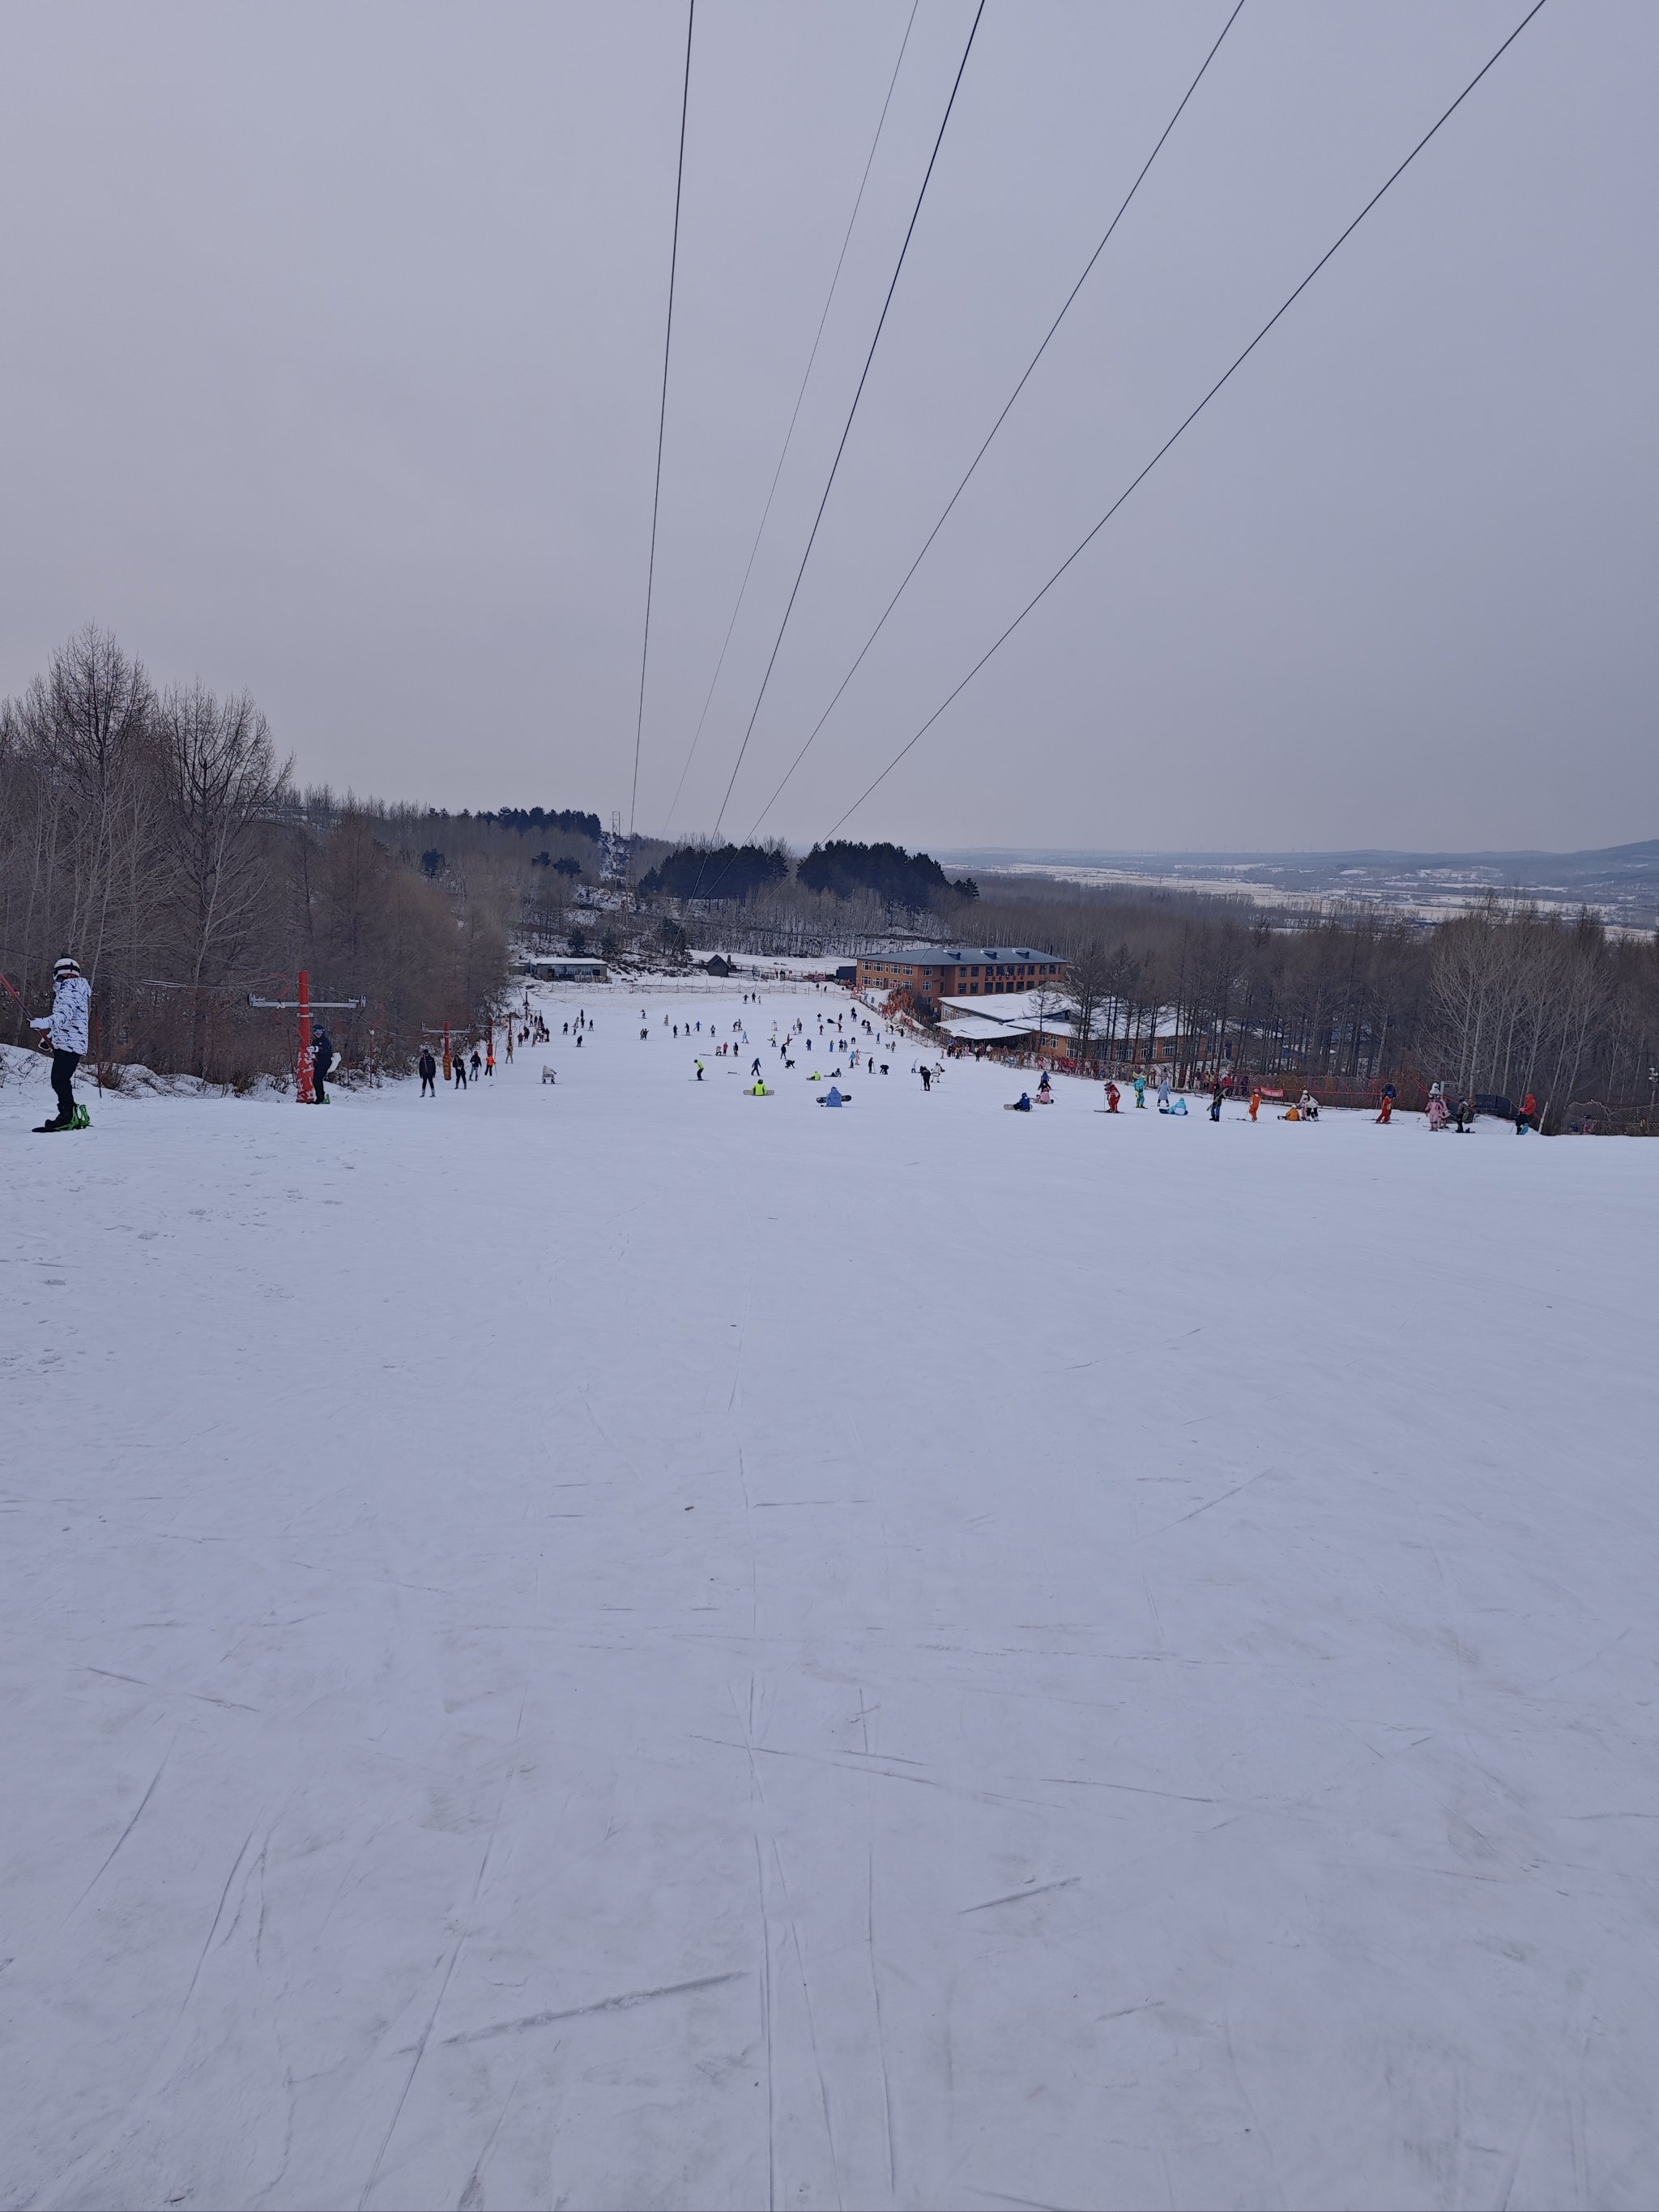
<point x="957" y="956"/>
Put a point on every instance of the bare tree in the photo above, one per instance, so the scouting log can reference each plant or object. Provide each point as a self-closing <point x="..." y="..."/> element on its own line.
<point x="223" y="781"/>
<point x="1089" y="976"/>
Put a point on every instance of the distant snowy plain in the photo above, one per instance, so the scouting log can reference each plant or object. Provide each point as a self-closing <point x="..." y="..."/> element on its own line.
<point x="619" y="1643"/>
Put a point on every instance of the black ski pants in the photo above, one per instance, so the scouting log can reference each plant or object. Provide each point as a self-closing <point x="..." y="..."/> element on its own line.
<point x="64" y="1065"/>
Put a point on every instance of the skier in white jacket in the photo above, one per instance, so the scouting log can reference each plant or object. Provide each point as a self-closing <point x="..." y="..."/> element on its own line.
<point x="71" y="1001"/>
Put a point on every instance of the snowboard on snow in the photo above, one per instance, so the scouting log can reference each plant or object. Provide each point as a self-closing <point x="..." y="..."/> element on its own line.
<point x="80" y="1120"/>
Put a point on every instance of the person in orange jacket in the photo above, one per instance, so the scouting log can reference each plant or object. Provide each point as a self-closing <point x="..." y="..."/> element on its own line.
<point x="1255" y="1102"/>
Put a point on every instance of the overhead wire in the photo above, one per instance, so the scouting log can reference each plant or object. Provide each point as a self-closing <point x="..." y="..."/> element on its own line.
<point x="662" y="417"/>
<point x="788" y="435"/>
<point x="1007" y="410"/>
<point x="846" y="426"/>
<point x="1183" y="427"/>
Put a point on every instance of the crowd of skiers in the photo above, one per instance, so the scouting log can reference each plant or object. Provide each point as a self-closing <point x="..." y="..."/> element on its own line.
<point x="65" y="1033"/>
<point x="1461" y="1111"/>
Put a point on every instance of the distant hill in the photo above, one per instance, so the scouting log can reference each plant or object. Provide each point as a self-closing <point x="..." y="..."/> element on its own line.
<point x="1620" y="882"/>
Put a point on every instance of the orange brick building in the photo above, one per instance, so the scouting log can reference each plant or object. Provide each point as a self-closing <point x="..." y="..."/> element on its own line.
<point x="960" y="972"/>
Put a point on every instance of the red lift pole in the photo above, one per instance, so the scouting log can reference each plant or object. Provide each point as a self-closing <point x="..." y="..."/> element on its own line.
<point x="304" y="1091"/>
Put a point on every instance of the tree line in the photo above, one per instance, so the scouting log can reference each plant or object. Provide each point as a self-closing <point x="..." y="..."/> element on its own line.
<point x="903" y="883"/>
<point x="1506" y="1000"/>
<point x="156" y="835"/>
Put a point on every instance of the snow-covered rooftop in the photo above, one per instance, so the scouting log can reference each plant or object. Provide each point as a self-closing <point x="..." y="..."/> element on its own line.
<point x="977" y="1029"/>
<point x="1016" y="1010"/>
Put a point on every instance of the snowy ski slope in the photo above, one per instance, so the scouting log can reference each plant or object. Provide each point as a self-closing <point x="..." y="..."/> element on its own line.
<point x="620" y="1644"/>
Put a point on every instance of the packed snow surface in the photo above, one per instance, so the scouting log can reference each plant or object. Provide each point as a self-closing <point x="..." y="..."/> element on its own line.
<point x="617" y="1643"/>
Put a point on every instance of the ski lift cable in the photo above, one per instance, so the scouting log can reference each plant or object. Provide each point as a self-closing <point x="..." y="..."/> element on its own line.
<point x="662" y="414"/>
<point x="788" y="435"/>
<point x="846" y="426"/>
<point x="996" y="426"/>
<point x="1183" y="427"/>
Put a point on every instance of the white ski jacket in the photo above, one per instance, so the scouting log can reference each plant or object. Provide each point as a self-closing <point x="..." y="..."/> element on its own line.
<point x="71" y="1002"/>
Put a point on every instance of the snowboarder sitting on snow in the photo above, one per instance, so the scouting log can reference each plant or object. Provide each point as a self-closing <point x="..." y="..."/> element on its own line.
<point x="1021" y="1105"/>
<point x="66" y="1031"/>
<point x="1310" y="1106"/>
<point x="322" y="1059"/>
<point x="832" y="1097"/>
<point x="429" y="1068"/>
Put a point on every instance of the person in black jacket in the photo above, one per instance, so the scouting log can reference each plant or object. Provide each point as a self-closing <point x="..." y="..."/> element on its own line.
<point x="322" y="1059"/>
<point x="428" y="1073"/>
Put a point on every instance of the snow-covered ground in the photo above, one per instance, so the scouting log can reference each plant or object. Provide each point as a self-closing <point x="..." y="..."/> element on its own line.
<point x="621" y="1643"/>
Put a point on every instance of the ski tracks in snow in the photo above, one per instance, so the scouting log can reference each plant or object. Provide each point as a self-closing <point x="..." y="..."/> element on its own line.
<point x="129" y="1828"/>
<point x="454" y="1960"/>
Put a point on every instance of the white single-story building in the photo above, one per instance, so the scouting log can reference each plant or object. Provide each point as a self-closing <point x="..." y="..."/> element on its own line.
<point x="566" y="968"/>
<point x="1042" y="1022"/>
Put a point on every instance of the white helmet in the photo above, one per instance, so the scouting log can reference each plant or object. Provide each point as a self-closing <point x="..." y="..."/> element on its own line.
<point x="65" y="967"/>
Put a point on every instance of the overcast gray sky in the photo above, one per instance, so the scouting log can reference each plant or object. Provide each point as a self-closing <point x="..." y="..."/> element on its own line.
<point x="332" y="341"/>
